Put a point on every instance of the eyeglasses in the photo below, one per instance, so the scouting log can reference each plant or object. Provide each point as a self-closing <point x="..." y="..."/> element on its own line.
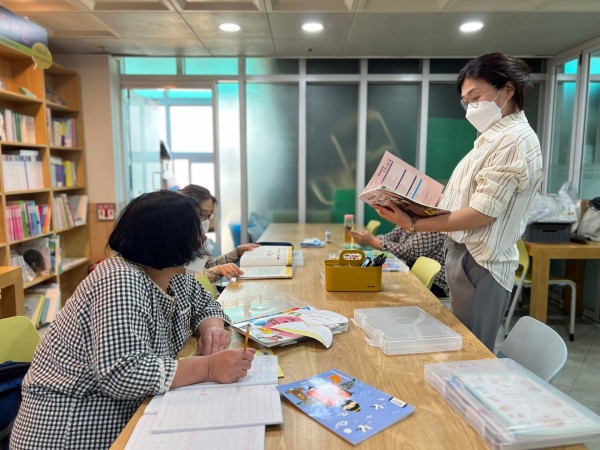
<point x="474" y="102"/>
<point x="207" y="215"/>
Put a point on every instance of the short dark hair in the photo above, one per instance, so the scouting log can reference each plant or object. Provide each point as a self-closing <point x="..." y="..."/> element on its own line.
<point x="198" y="193"/>
<point x="159" y="229"/>
<point x="498" y="69"/>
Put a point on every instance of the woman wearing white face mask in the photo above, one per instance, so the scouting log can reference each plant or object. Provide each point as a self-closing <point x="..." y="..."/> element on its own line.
<point x="489" y="194"/>
<point x="213" y="267"/>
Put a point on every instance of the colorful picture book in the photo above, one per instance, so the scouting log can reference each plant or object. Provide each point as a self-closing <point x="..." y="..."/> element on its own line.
<point x="350" y="408"/>
<point x="399" y="182"/>
<point x="291" y="325"/>
<point x="267" y="261"/>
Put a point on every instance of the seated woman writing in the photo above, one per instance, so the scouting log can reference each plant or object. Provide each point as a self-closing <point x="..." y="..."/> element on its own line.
<point x="116" y="340"/>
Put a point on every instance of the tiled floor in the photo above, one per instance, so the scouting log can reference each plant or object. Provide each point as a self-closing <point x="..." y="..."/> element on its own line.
<point x="580" y="378"/>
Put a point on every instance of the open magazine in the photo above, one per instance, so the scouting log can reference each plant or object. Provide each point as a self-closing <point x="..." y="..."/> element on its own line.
<point x="399" y="182"/>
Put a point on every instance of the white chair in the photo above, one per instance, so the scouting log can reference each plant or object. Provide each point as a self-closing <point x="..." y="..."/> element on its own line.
<point x="523" y="279"/>
<point x="535" y="346"/>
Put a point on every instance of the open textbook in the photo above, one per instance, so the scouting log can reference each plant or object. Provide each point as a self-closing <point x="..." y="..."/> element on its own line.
<point x="399" y="182"/>
<point x="267" y="261"/>
<point x="283" y="320"/>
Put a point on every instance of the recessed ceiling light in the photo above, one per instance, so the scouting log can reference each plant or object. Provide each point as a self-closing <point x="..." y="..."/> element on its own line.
<point x="469" y="27"/>
<point x="230" y="27"/>
<point x="312" y="27"/>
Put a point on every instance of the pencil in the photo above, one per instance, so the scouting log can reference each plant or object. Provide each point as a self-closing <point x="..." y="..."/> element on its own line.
<point x="246" y="337"/>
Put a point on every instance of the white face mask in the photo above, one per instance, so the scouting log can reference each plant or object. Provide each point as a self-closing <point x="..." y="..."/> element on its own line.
<point x="485" y="114"/>
<point x="205" y="225"/>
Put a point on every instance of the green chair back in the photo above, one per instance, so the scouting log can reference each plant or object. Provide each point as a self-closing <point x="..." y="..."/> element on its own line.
<point x="425" y="269"/>
<point x="18" y="339"/>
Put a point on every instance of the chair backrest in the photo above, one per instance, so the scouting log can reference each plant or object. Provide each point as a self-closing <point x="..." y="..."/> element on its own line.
<point x="373" y="226"/>
<point x="206" y="284"/>
<point x="18" y="339"/>
<point x="425" y="269"/>
<point x="535" y="346"/>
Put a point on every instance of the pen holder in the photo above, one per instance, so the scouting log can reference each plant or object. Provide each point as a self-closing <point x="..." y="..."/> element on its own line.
<point x="346" y="273"/>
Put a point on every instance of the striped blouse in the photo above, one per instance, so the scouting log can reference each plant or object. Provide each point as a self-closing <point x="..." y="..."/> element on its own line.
<point x="499" y="178"/>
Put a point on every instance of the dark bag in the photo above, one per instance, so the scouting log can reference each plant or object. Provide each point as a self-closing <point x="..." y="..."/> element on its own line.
<point x="11" y="377"/>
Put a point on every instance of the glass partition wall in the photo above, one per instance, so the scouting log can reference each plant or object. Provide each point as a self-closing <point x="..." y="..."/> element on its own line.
<point x="295" y="140"/>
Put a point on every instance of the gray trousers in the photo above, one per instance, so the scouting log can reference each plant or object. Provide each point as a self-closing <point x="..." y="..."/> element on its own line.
<point x="478" y="300"/>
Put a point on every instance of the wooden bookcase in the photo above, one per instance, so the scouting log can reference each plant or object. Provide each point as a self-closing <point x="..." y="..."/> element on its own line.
<point x="44" y="95"/>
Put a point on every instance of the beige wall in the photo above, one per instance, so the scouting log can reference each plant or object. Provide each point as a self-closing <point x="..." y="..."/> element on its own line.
<point x="101" y="110"/>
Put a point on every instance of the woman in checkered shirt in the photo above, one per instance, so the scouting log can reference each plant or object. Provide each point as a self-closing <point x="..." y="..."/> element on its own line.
<point x="116" y="340"/>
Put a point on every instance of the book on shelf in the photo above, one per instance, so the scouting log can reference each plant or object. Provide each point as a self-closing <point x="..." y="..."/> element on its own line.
<point x="410" y="189"/>
<point x="79" y="206"/>
<point x="22" y="170"/>
<point x="34" y="304"/>
<point x="63" y="173"/>
<point x="284" y="320"/>
<point x="62" y="214"/>
<point x="267" y="261"/>
<point x="27" y="272"/>
<point x="18" y="127"/>
<point x="50" y="305"/>
<point x="351" y="408"/>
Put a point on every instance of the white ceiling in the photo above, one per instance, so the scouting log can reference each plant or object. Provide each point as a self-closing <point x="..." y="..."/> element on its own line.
<point x="353" y="28"/>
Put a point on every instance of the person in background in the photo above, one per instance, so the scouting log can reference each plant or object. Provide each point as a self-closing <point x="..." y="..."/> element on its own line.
<point x="214" y="267"/>
<point x="408" y="247"/>
<point x="489" y="194"/>
<point x="116" y="340"/>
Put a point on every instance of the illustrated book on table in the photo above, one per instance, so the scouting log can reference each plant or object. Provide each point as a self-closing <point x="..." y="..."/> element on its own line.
<point x="267" y="261"/>
<point x="409" y="188"/>
<point x="212" y="415"/>
<point x="281" y="319"/>
<point x="352" y="409"/>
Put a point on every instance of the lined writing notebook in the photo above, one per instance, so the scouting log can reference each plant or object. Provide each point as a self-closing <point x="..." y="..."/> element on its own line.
<point x="264" y="370"/>
<point x="243" y="438"/>
<point x="210" y="407"/>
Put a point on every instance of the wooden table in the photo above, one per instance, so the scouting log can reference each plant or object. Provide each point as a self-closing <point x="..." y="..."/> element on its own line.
<point x="541" y="253"/>
<point x="434" y="424"/>
<point x="11" y="292"/>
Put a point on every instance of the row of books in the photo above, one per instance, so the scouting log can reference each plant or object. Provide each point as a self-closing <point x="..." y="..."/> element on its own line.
<point x="62" y="131"/>
<point x="42" y="303"/>
<point x="69" y="211"/>
<point x="25" y="219"/>
<point x="17" y="127"/>
<point x="16" y="260"/>
<point x="22" y="170"/>
<point x="63" y="173"/>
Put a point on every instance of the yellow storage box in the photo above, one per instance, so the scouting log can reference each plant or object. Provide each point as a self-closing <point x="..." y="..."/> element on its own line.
<point x="346" y="273"/>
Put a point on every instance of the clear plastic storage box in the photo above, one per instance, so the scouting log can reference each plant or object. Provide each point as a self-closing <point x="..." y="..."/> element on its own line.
<point x="400" y="330"/>
<point x="510" y="407"/>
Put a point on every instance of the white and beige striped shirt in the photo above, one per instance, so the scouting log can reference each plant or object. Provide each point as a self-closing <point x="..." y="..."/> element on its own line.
<point x="498" y="178"/>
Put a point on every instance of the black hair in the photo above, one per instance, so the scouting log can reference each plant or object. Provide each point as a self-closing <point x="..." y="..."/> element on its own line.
<point x="498" y="69"/>
<point x="198" y="193"/>
<point x="159" y="229"/>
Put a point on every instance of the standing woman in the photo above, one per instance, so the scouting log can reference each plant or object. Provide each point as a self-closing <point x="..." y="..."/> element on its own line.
<point x="116" y="340"/>
<point x="489" y="194"/>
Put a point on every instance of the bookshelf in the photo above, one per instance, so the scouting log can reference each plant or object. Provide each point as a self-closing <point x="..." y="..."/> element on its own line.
<point x="42" y="164"/>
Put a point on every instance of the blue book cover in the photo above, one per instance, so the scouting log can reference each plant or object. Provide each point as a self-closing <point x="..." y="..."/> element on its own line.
<point x="350" y="408"/>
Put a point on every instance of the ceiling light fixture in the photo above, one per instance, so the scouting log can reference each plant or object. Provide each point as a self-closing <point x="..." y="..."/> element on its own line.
<point x="312" y="27"/>
<point x="469" y="27"/>
<point x="230" y="27"/>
